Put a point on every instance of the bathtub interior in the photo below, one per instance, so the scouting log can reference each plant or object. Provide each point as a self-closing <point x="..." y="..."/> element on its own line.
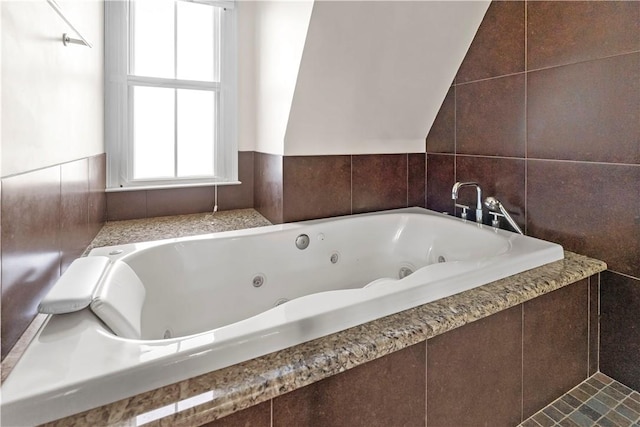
<point x="198" y="285"/>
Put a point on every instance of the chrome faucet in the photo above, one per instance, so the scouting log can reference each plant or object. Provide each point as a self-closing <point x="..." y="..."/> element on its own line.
<point x="454" y="195"/>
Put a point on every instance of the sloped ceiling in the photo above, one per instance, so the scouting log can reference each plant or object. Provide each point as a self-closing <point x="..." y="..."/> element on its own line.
<point x="373" y="74"/>
<point x="280" y="30"/>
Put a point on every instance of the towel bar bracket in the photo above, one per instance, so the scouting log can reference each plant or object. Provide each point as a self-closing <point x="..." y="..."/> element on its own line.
<point x="68" y="40"/>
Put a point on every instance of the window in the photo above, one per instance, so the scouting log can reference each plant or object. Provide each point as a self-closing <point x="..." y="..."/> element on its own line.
<point x="170" y="93"/>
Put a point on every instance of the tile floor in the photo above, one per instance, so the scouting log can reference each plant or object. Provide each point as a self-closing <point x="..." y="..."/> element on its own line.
<point x="597" y="401"/>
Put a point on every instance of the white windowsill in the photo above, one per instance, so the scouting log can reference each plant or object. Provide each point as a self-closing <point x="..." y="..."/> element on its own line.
<point x="173" y="185"/>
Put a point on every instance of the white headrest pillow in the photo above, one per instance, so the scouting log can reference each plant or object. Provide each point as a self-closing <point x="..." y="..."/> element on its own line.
<point x="76" y="287"/>
<point x="119" y="300"/>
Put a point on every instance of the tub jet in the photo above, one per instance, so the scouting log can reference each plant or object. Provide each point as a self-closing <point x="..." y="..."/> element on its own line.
<point x="404" y="272"/>
<point x="258" y="281"/>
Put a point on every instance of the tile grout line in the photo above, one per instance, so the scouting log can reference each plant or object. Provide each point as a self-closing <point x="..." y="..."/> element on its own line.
<point x="87" y="218"/>
<point x="455" y="137"/>
<point x="588" y="325"/>
<point x="426" y="377"/>
<point x="584" y="61"/>
<point x="539" y="159"/>
<point x="623" y="274"/>
<point x="351" y="184"/>
<point x="526" y="118"/>
<point x="484" y="156"/>
<point x="424" y="181"/>
<point x="486" y="79"/>
<point x="550" y="67"/>
<point x="406" y="203"/>
<point x="146" y="204"/>
<point x="589" y="162"/>
<point x="598" y="323"/>
<point x="59" y="236"/>
<point x="12" y="175"/>
<point x="522" y="364"/>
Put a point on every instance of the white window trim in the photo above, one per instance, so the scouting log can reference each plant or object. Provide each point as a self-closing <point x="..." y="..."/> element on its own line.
<point x="118" y="120"/>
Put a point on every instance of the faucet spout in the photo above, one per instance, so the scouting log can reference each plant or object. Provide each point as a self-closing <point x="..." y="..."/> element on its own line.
<point x="454" y="195"/>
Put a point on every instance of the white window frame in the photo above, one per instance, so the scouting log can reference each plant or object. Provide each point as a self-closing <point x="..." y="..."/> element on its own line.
<point x="119" y="103"/>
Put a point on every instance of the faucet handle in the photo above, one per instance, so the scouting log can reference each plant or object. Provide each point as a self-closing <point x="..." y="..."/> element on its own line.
<point x="464" y="208"/>
<point x="495" y="222"/>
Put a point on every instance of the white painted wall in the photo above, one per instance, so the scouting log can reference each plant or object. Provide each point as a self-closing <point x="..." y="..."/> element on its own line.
<point x="371" y="79"/>
<point x="52" y="95"/>
<point x="0" y="92"/>
<point x="374" y="74"/>
<point x="246" y="76"/>
<point x="280" y="33"/>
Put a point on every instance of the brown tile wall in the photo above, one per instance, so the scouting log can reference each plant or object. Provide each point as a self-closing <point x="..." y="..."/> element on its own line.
<point x="475" y="373"/>
<point x="268" y="188"/>
<point x="179" y="201"/>
<point x="549" y="373"/>
<point x="48" y="217"/>
<point x="594" y="324"/>
<point x="311" y="187"/>
<point x="493" y="372"/>
<point x="389" y="391"/>
<point x="316" y="187"/>
<point x="545" y="114"/>
<point x="620" y="328"/>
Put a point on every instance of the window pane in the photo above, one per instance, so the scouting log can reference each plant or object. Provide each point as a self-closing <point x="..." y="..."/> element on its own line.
<point x="198" y="41"/>
<point x="153" y="132"/>
<point x="153" y="38"/>
<point x="196" y="132"/>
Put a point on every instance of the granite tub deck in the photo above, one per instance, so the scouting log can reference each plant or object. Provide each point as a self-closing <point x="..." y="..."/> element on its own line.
<point x="214" y="395"/>
<point x="168" y="227"/>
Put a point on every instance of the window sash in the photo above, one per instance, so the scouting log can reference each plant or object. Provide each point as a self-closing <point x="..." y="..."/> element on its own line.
<point x="119" y="104"/>
<point x="217" y="47"/>
<point x="131" y="147"/>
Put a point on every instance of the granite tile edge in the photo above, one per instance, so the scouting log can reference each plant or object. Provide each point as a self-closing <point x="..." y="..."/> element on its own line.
<point x="246" y="384"/>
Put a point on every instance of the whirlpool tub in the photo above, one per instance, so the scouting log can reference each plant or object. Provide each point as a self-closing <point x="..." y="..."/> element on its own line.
<point x="135" y="317"/>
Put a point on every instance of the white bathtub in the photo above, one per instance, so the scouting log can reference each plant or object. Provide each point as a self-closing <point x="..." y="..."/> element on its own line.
<point x="202" y="292"/>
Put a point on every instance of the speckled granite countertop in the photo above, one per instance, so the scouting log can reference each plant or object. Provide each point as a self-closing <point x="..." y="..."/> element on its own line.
<point x="167" y="227"/>
<point x="248" y="383"/>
